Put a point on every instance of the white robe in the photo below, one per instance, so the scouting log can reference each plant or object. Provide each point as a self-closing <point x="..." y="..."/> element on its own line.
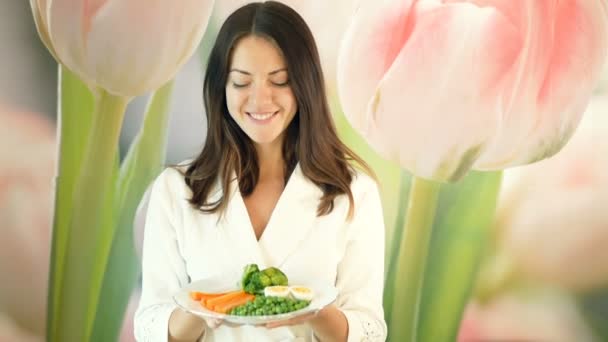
<point x="183" y="245"/>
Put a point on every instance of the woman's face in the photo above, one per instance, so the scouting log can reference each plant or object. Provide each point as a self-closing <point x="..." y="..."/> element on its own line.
<point x="258" y="93"/>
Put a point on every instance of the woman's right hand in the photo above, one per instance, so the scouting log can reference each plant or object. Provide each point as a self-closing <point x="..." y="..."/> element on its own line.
<point x="184" y="326"/>
<point x="213" y="322"/>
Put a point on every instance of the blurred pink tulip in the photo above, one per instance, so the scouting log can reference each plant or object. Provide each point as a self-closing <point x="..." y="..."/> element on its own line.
<point x="533" y="317"/>
<point x="26" y="207"/>
<point x="127" y="332"/>
<point x="603" y="86"/>
<point x="552" y="215"/>
<point x="27" y="167"/>
<point x="125" y="47"/>
<point x="443" y="87"/>
<point x="10" y="331"/>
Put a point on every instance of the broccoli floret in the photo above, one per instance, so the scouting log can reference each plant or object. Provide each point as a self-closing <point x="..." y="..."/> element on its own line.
<point x="248" y="272"/>
<point x="250" y="288"/>
<point x="254" y="281"/>
<point x="259" y="281"/>
<point x="276" y="276"/>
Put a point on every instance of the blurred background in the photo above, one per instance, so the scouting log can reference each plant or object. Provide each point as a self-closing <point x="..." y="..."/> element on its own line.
<point x="545" y="276"/>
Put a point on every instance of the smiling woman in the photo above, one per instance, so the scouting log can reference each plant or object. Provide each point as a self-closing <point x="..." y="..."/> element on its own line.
<point x="256" y="69"/>
<point x="273" y="186"/>
<point x="258" y="94"/>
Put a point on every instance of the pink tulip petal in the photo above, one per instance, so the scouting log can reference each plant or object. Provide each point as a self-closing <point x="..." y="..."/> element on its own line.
<point x="483" y="84"/>
<point x="148" y="38"/>
<point x="43" y="7"/>
<point x="435" y="109"/>
<point x="566" y="47"/>
<point x="90" y="9"/>
<point x="39" y="11"/>
<point x="555" y="210"/>
<point x="368" y="50"/>
<point x="65" y="28"/>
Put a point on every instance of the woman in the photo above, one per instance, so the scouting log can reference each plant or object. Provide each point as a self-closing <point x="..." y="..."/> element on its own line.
<point x="292" y="199"/>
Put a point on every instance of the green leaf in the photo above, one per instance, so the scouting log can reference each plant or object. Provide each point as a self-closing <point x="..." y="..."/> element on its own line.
<point x="393" y="246"/>
<point x="594" y="308"/>
<point x="91" y="222"/>
<point x="412" y="259"/>
<point x="143" y="163"/>
<point x="75" y="115"/>
<point x="460" y="234"/>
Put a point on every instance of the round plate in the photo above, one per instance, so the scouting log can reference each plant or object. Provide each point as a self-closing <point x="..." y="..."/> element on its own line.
<point x="323" y="297"/>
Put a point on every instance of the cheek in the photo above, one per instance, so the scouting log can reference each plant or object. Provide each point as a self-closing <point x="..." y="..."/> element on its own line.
<point x="234" y="101"/>
<point x="288" y="101"/>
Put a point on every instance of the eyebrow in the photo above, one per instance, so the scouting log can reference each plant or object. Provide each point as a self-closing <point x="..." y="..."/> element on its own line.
<point x="248" y="73"/>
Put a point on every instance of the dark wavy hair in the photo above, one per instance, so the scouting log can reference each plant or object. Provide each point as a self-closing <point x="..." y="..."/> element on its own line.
<point x="311" y="137"/>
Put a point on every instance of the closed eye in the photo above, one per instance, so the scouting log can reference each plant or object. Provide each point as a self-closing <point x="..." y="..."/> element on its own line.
<point x="283" y="84"/>
<point x="237" y="85"/>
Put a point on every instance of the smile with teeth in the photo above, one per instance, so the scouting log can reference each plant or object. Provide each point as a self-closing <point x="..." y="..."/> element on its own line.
<point x="261" y="116"/>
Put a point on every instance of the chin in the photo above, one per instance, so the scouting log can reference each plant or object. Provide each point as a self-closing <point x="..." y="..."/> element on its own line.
<point x="263" y="139"/>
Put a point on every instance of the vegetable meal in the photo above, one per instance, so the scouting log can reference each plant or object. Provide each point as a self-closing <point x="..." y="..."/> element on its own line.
<point x="263" y="292"/>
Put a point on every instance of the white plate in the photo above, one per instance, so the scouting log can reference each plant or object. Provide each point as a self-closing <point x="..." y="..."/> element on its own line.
<point x="324" y="295"/>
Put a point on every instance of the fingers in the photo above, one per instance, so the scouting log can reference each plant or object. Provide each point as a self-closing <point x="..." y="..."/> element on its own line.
<point x="216" y="322"/>
<point x="292" y="321"/>
<point x="213" y="322"/>
<point x="231" y="325"/>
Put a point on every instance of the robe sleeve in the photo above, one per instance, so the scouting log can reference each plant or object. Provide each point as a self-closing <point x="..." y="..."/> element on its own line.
<point x="163" y="268"/>
<point x="360" y="278"/>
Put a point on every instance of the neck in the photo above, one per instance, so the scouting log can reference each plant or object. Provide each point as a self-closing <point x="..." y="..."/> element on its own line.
<point x="271" y="163"/>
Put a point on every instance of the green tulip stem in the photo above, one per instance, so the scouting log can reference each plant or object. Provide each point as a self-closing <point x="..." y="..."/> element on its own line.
<point x="412" y="259"/>
<point x="140" y="166"/>
<point x="87" y="251"/>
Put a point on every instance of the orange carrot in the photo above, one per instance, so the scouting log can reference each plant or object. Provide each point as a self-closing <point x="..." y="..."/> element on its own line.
<point x="227" y="306"/>
<point x="204" y="299"/>
<point x="198" y="296"/>
<point x="211" y="303"/>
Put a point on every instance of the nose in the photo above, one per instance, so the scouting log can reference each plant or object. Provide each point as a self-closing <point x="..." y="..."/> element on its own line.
<point x="261" y="95"/>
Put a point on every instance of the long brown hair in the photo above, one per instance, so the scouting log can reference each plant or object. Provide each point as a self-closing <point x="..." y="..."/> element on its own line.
<point x="311" y="137"/>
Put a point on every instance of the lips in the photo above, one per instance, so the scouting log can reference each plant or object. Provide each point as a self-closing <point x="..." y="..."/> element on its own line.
<point x="261" y="116"/>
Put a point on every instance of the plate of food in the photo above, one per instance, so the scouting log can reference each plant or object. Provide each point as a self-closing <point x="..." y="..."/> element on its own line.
<point x="262" y="296"/>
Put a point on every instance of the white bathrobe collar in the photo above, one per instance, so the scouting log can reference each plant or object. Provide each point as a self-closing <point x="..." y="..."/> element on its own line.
<point x="290" y="222"/>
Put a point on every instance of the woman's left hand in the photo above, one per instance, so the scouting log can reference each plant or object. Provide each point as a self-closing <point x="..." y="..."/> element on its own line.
<point x="306" y="318"/>
<point x="328" y="324"/>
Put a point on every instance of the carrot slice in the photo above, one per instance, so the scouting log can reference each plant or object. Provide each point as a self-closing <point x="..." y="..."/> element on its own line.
<point x="227" y="306"/>
<point x="206" y="298"/>
<point x="211" y="303"/>
<point x="198" y="296"/>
